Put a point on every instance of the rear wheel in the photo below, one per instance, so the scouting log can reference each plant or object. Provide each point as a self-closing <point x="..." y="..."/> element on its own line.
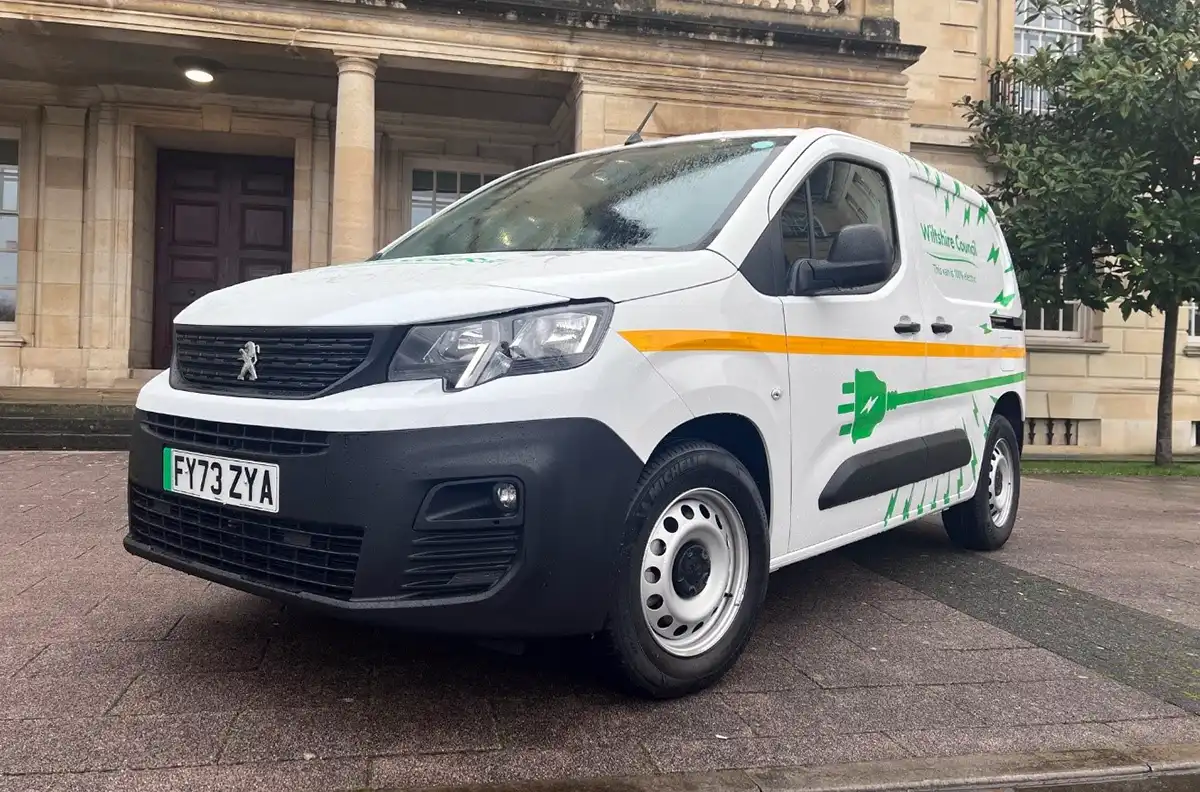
<point x="693" y="572"/>
<point x="986" y="521"/>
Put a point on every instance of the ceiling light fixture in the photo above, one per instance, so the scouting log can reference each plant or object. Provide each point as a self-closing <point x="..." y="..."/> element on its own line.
<point x="199" y="70"/>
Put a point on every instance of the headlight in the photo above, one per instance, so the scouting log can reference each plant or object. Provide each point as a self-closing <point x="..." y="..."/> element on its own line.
<point x="474" y="351"/>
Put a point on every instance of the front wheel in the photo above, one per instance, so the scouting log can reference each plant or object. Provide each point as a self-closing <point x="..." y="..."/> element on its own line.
<point x="693" y="572"/>
<point x="986" y="521"/>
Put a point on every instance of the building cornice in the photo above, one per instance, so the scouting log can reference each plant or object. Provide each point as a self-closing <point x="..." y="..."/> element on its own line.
<point x="704" y="20"/>
<point x="411" y="37"/>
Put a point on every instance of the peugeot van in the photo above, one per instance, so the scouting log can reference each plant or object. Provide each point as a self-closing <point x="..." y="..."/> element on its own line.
<point x="607" y="394"/>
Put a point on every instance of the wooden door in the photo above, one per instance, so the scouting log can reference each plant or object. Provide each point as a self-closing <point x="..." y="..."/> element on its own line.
<point x="221" y="219"/>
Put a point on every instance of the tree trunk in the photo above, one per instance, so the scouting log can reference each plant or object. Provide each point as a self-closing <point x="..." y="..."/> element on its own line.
<point x="1163" y="454"/>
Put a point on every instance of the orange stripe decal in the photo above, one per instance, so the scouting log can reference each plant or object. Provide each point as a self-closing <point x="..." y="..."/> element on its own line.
<point x="724" y="341"/>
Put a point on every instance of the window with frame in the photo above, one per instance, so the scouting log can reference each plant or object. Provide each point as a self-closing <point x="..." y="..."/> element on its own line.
<point x="1032" y="32"/>
<point x="837" y="194"/>
<point x="9" y="224"/>
<point x="432" y="189"/>
<point x="1193" y="323"/>
<point x="1056" y="320"/>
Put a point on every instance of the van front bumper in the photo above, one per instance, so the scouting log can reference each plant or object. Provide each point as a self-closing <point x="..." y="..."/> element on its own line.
<point x="399" y="528"/>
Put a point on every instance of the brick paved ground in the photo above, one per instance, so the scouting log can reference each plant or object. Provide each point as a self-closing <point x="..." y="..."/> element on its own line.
<point x="116" y="674"/>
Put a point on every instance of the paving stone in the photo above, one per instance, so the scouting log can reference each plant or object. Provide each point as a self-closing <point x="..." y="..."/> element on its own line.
<point x="1157" y="731"/>
<point x="14" y="657"/>
<point x="861" y="710"/>
<point x="672" y="756"/>
<point x="137" y="657"/>
<point x="506" y="766"/>
<point x="302" y="776"/>
<point x="760" y="670"/>
<point x="354" y="729"/>
<point x="110" y="743"/>
<point x="157" y="693"/>
<point x="76" y="696"/>
<point x="1060" y="701"/>
<point x="1007" y="739"/>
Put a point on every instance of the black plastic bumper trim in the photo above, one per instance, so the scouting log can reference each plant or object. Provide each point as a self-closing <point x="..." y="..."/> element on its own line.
<point x="575" y="476"/>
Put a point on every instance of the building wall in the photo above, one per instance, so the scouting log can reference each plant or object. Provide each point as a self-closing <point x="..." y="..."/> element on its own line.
<point x="1092" y="390"/>
<point x="87" y="200"/>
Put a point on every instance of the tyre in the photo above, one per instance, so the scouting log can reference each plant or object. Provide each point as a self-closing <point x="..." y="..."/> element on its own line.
<point x="692" y="572"/>
<point x="986" y="520"/>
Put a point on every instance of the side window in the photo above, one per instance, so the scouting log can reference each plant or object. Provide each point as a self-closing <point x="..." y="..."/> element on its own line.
<point x="839" y="193"/>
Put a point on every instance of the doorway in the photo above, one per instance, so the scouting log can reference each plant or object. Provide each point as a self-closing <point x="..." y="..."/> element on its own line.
<point x="221" y="219"/>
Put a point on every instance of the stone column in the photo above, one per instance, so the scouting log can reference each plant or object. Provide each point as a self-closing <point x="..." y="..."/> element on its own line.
<point x="589" y="104"/>
<point x="61" y="228"/>
<point x="353" y="210"/>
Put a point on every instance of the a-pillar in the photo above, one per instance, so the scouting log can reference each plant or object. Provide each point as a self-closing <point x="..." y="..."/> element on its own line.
<point x="352" y="235"/>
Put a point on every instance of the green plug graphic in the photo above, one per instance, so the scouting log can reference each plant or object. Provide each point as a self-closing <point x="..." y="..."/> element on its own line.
<point x="871" y="402"/>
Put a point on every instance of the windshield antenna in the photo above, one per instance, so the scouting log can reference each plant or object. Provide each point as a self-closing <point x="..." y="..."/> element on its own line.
<point x="636" y="137"/>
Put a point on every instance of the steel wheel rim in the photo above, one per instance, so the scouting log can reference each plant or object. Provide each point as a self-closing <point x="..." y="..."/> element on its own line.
<point x="700" y="528"/>
<point x="1001" y="484"/>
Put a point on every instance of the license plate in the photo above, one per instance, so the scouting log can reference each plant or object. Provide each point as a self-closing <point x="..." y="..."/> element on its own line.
<point x="233" y="482"/>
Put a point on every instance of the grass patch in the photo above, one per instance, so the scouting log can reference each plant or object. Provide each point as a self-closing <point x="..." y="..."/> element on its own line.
<point x="1085" y="467"/>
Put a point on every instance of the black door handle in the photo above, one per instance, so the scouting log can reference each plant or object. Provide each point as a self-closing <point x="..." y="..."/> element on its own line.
<point x="941" y="328"/>
<point x="908" y="327"/>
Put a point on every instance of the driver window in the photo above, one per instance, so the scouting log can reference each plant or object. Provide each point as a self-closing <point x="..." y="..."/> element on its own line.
<point x="837" y="194"/>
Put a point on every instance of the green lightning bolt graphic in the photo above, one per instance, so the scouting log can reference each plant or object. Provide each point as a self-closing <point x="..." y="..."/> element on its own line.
<point x="908" y="501"/>
<point x="933" y="503"/>
<point x="960" y="481"/>
<point x="974" y="409"/>
<point x="967" y="216"/>
<point x="983" y="213"/>
<point x="1004" y="299"/>
<point x="946" y="497"/>
<point x="974" y="457"/>
<point x="994" y="255"/>
<point x="871" y="400"/>
<point x="921" y="503"/>
<point x="986" y="327"/>
<point x="891" y="506"/>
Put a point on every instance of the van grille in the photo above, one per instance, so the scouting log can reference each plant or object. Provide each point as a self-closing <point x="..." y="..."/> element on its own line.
<point x="292" y="362"/>
<point x="237" y="438"/>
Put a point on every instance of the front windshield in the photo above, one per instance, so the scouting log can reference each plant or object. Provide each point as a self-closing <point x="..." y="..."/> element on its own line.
<point x="669" y="197"/>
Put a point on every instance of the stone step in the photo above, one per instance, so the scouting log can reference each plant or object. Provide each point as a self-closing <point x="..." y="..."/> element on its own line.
<point x="64" y="442"/>
<point x="77" y="425"/>
<point x="78" y="411"/>
<point x="29" y="395"/>
<point x="50" y="423"/>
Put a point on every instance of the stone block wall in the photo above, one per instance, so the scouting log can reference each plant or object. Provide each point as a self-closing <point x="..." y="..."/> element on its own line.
<point x="145" y="186"/>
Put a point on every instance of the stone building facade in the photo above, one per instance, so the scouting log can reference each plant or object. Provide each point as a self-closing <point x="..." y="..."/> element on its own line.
<point x="154" y="150"/>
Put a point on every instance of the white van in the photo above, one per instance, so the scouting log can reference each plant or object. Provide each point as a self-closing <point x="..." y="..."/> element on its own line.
<point x="607" y="394"/>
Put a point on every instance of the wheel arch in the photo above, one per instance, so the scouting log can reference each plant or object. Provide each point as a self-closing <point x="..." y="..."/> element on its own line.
<point x="1009" y="405"/>
<point x="738" y="435"/>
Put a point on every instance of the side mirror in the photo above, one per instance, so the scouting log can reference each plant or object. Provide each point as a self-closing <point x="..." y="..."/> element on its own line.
<point x="860" y="256"/>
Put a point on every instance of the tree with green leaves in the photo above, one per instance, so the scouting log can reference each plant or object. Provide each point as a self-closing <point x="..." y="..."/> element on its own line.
<point x="1098" y="190"/>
